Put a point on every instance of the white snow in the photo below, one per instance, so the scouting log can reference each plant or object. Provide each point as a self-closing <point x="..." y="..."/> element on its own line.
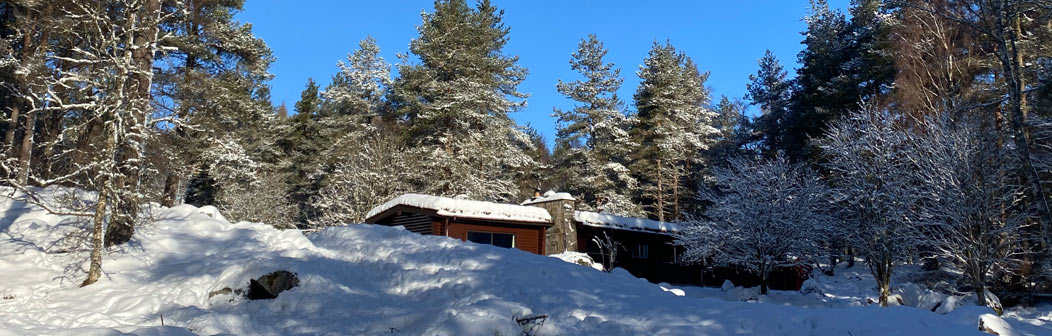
<point x="446" y="206"/>
<point x="549" y="196"/>
<point x="602" y="220"/>
<point x="372" y="280"/>
<point x="578" y="258"/>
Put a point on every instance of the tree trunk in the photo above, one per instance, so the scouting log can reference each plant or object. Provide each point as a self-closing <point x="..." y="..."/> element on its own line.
<point x="12" y="126"/>
<point x="95" y="270"/>
<point x="171" y="190"/>
<point x="660" y="194"/>
<point x="16" y="106"/>
<point x="1009" y="57"/>
<point x="130" y="152"/>
<point x="763" y="283"/>
<point x="883" y="277"/>
<point x="850" y="257"/>
<point x="27" y="149"/>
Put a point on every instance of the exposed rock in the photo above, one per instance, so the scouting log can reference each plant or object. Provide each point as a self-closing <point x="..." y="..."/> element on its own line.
<point x="224" y="291"/>
<point x="270" y="285"/>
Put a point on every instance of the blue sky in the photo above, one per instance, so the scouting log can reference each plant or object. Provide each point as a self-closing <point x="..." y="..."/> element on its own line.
<point x="724" y="37"/>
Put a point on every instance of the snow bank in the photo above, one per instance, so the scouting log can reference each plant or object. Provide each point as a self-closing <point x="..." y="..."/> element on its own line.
<point x="369" y="280"/>
<point x="596" y="219"/>
<point x="550" y="196"/>
<point x="466" y="208"/>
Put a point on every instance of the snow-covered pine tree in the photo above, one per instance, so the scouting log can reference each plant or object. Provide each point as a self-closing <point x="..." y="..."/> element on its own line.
<point x="299" y="143"/>
<point x="457" y="100"/>
<point x="212" y="87"/>
<point x="770" y="90"/>
<point x="816" y="99"/>
<point x="360" y="85"/>
<point x="764" y="214"/>
<point x="674" y="124"/>
<point x="595" y="134"/>
<point x="877" y="188"/>
<point x="734" y="127"/>
<point x="368" y="160"/>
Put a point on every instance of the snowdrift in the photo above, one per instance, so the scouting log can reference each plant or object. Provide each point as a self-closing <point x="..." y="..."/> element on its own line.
<point x="366" y="280"/>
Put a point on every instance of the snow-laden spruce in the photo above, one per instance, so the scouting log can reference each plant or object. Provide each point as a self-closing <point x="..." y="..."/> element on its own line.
<point x="593" y="136"/>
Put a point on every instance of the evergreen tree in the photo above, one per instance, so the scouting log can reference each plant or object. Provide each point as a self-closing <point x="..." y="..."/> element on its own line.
<point x="734" y="127"/>
<point x="299" y="144"/>
<point x="770" y="90"/>
<point x="360" y="85"/>
<point x="213" y="88"/>
<point x="456" y="101"/>
<point x="674" y="126"/>
<point x="843" y="64"/>
<point x="817" y="98"/>
<point x="596" y="133"/>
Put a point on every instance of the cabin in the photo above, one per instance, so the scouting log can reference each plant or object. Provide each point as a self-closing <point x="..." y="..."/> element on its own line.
<point x="646" y="247"/>
<point x="504" y="225"/>
<point x="550" y="223"/>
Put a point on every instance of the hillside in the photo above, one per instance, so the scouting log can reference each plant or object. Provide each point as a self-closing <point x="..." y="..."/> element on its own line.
<point x="371" y="280"/>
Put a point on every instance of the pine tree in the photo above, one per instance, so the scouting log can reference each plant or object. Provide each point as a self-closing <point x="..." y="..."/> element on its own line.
<point x="733" y="127"/>
<point x="769" y="89"/>
<point x="457" y="99"/>
<point x="844" y="63"/>
<point x="213" y="88"/>
<point x="674" y="126"/>
<point x="596" y="133"/>
<point x="360" y="85"/>
<point x="299" y="144"/>
<point x="817" y="98"/>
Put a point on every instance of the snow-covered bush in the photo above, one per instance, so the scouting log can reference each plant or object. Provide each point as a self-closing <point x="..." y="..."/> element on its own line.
<point x="243" y="190"/>
<point x="966" y="216"/>
<point x="373" y="169"/>
<point x="763" y="215"/>
<point x="876" y="186"/>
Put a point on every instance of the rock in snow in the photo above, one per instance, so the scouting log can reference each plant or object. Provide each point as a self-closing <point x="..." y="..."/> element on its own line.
<point x="369" y="280"/>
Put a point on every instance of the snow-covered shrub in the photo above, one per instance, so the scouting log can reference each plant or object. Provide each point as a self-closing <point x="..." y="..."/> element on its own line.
<point x="966" y="216"/>
<point x="243" y="190"/>
<point x="764" y="215"/>
<point x="373" y="169"/>
<point x="876" y="187"/>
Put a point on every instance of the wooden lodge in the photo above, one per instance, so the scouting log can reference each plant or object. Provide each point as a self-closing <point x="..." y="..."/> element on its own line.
<point x="504" y="225"/>
<point x="551" y="224"/>
<point x="545" y="224"/>
<point x="646" y="247"/>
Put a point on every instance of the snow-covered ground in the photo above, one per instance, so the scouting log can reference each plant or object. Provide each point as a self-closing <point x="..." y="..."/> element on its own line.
<point x="373" y="280"/>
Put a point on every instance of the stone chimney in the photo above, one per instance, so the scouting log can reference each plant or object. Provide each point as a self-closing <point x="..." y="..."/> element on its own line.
<point x="562" y="236"/>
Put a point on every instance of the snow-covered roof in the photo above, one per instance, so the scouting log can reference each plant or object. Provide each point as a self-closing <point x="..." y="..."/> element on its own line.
<point x="548" y="197"/>
<point x="450" y="207"/>
<point x="602" y="220"/>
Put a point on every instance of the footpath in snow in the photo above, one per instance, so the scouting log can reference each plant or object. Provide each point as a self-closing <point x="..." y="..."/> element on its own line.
<point x="374" y="280"/>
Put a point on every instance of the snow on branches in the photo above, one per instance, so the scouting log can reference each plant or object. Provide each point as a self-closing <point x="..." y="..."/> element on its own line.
<point x="764" y="214"/>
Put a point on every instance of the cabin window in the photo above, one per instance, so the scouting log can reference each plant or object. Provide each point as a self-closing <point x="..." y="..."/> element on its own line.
<point x="642" y="251"/>
<point x="674" y="256"/>
<point x="492" y="238"/>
